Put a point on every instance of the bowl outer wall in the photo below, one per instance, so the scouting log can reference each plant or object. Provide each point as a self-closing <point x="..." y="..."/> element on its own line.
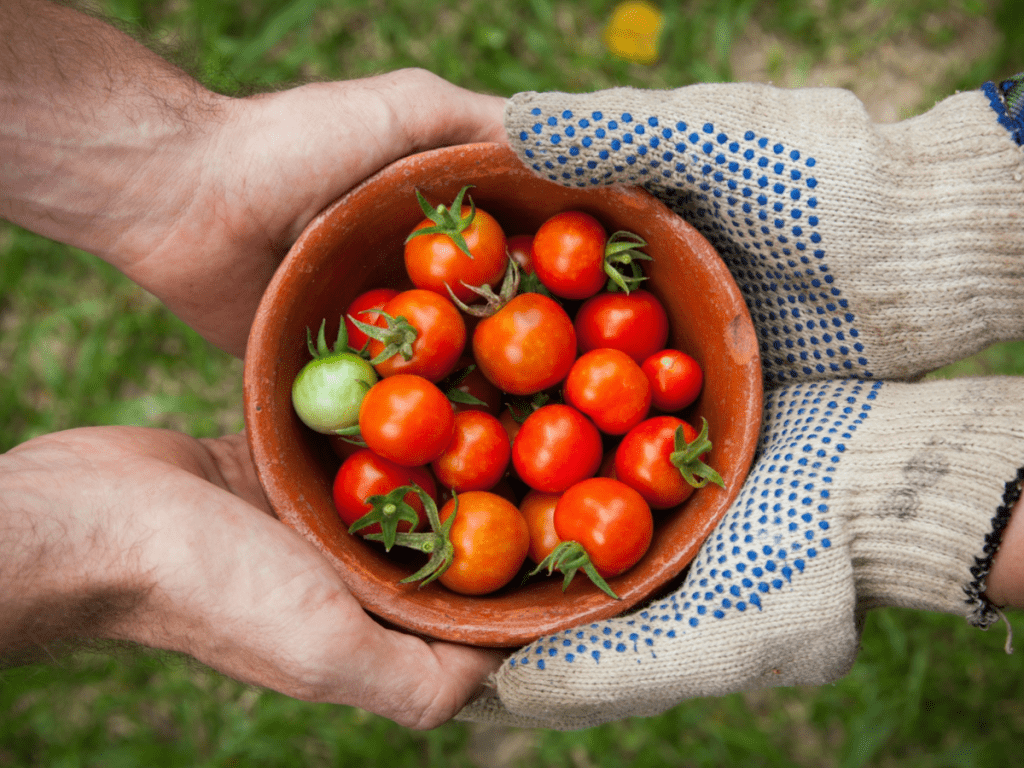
<point x="356" y="244"/>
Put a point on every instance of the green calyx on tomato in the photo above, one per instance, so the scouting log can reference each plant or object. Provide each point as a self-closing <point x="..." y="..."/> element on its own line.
<point x="621" y="256"/>
<point x="448" y="220"/>
<point x="459" y="396"/>
<point x="493" y="302"/>
<point x="436" y="542"/>
<point x="389" y="510"/>
<point x="521" y="406"/>
<point x="686" y="458"/>
<point x="568" y="558"/>
<point x="397" y="336"/>
<point x="328" y="391"/>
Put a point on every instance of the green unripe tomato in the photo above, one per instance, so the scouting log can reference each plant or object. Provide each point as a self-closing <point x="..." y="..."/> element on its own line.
<point x="328" y="391"/>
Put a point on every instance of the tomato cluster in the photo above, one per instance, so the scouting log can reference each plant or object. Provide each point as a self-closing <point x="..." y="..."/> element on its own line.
<point x="524" y="386"/>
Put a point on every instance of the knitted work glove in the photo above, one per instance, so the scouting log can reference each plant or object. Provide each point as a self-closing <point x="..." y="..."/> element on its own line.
<point x="866" y="494"/>
<point x="863" y="251"/>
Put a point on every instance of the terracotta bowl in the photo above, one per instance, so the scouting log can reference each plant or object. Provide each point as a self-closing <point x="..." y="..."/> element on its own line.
<point x="356" y="244"/>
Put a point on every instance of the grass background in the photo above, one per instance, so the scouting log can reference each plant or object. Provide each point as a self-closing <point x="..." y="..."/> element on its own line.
<point x="81" y="345"/>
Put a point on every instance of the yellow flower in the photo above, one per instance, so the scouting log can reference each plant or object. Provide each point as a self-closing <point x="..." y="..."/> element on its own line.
<point x="633" y="31"/>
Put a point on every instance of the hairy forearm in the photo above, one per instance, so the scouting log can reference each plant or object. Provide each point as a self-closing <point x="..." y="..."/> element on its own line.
<point x="62" y="576"/>
<point x="91" y="125"/>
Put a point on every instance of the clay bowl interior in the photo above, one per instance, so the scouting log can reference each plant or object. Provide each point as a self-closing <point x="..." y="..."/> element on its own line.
<point x="355" y="245"/>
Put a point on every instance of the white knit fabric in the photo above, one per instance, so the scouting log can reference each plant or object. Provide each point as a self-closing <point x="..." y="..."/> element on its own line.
<point x="866" y="494"/>
<point x="865" y="252"/>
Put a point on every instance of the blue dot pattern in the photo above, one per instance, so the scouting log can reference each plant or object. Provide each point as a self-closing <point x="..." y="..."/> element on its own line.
<point x="756" y="200"/>
<point x="779" y="526"/>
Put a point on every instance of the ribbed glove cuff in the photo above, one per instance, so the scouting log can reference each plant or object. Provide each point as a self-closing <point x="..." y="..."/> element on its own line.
<point x="928" y="492"/>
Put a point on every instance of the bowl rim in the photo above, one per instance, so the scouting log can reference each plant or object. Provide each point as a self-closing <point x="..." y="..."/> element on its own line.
<point x="444" y="624"/>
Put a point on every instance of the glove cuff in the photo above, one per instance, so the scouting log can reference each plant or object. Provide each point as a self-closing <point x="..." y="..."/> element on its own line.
<point x="928" y="493"/>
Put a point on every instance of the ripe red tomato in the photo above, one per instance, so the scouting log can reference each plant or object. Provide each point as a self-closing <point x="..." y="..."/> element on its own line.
<point x="407" y="419"/>
<point x="477" y="456"/>
<point x="490" y="541"/>
<point x="526" y="346"/>
<point x="556" y="446"/>
<point x="643" y="461"/>
<point x="365" y="474"/>
<point x="676" y="379"/>
<point x="434" y="261"/>
<point x="375" y="298"/>
<point x="609" y="387"/>
<point x="611" y="520"/>
<point x="569" y="255"/>
<point x="440" y="336"/>
<point x="635" y="323"/>
<point x="538" y="509"/>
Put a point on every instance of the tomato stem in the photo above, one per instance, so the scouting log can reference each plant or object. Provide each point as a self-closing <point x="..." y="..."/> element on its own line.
<point x="397" y="336"/>
<point x="521" y="406"/>
<point x="620" y="254"/>
<point x="321" y="349"/>
<point x="569" y="557"/>
<point x="493" y="301"/>
<point x="448" y="220"/>
<point x="388" y="510"/>
<point x="456" y="395"/>
<point x="436" y="542"/>
<point x="686" y="457"/>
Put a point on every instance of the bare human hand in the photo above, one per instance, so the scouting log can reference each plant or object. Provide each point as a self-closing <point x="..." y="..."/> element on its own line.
<point x="194" y="195"/>
<point x="154" y="537"/>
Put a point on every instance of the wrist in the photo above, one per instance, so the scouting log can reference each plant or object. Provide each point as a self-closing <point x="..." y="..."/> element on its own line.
<point x="63" y="575"/>
<point x="1004" y="586"/>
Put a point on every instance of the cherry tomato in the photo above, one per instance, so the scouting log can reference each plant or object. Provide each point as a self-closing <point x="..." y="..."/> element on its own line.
<point x="375" y="298"/>
<point x="328" y="391"/>
<point x="635" y="323"/>
<point x="440" y="336"/>
<point x="434" y="262"/>
<point x="556" y="446"/>
<point x="609" y="387"/>
<point x="611" y="520"/>
<point x="568" y="255"/>
<point x="538" y="509"/>
<point x="676" y="379"/>
<point x="365" y="474"/>
<point x="643" y="461"/>
<point x="490" y="539"/>
<point x="477" y="456"/>
<point x="407" y="419"/>
<point x="526" y="346"/>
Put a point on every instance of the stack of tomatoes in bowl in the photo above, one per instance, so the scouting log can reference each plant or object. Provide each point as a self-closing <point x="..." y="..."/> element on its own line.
<point x="513" y="421"/>
<point x="503" y="404"/>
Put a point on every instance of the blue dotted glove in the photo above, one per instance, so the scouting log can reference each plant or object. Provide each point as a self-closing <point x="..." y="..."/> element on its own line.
<point x="865" y="494"/>
<point x="866" y="251"/>
<point x="875" y="251"/>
